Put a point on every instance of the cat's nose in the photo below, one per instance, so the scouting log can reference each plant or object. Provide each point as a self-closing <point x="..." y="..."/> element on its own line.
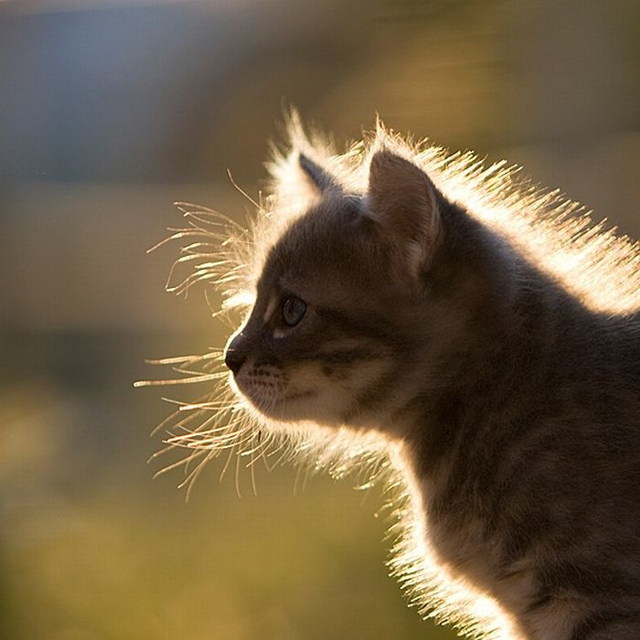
<point x="234" y="357"/>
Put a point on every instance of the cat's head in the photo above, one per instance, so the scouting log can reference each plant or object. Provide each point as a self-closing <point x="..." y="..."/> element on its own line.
<point x="349" y="298"/>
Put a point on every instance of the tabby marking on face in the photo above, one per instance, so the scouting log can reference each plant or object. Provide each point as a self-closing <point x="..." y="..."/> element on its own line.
<point x="465" y="338"/>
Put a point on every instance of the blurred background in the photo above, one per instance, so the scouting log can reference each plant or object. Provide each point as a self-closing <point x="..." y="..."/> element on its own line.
<point x="110" y="110"/>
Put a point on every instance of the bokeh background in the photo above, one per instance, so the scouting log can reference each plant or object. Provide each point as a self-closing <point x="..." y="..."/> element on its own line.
<point x="110" y="110"/>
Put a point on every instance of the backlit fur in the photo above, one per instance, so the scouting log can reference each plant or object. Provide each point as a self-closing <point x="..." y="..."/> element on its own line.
<point x="481" y="359"/>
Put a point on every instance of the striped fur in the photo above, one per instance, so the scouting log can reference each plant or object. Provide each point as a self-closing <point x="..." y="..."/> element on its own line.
<point x="478" y="343"/>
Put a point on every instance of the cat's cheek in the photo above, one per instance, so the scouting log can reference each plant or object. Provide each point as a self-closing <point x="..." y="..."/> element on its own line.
<point x="307" y="395"/>
<point x="312" y="396"/>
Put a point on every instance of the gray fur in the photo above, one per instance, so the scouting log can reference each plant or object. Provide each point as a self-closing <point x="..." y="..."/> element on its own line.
<point x="518" y="405"/>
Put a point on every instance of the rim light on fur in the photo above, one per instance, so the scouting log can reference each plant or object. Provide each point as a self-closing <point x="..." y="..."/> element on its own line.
<point x="593" y="263"/>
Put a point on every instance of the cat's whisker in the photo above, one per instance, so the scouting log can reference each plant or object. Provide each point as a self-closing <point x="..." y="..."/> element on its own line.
<point x="185" y="285"/>
<point x="242" y="191"/>
<point x="214" y="444"/>
<point x="193" y="379"/>
<point x="160" y="453"/>
<point x="206" y="248"/>
<point x="197" y="438"/>
<point x="214" y="405"/>
<point x="227" y="463"/>
<point x="181" y="359"/>
<point x="194" y="474"/>
<point x="252" y="475"/>
<point x="171" y="419"/>
<point x="194" y="456"/>
<point x="175" y="465"/>
<point x="258" y="448"/>
<point x="237" y="475"/>
<point x="209" y="217"/>
<point x="194" y="373"/>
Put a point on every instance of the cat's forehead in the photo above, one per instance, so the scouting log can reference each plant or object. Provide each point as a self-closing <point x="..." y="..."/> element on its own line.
<point x="325" y="241"/>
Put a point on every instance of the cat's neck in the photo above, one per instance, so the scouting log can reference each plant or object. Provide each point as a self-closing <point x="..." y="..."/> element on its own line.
<point x="504" y="361"/>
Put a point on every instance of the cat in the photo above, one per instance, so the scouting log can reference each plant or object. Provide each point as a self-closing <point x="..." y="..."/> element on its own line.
<point x="462" y="335"/>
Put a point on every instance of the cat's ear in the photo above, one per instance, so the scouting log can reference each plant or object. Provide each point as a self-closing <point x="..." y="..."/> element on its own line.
<point x="402" y="199"/>
<point x="321" y="180"/>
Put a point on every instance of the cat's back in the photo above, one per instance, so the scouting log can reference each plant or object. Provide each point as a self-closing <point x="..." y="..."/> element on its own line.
<point x="606" y="369"/>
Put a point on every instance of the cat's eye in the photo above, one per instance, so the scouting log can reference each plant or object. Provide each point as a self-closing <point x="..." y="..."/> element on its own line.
<point x="293" y="310"/>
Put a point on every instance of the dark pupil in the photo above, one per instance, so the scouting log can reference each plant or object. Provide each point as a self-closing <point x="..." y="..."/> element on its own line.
<point x="292" y="311"/>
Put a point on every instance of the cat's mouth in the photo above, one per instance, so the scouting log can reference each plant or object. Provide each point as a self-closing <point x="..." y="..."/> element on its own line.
<point x="273" y="399"/>
<point x="277" y="397"/>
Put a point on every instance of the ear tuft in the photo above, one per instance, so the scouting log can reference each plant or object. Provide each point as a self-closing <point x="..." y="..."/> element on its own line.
<point x="321" y="179"/>
<point x="402" y="199"/>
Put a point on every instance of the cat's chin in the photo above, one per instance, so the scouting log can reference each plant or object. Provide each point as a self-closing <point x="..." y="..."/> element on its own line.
<point x="290" y="409"/>
<point x="301" y="406"/>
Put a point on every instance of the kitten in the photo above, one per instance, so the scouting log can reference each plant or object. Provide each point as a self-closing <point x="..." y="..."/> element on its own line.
<point x="477" y="340"/>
